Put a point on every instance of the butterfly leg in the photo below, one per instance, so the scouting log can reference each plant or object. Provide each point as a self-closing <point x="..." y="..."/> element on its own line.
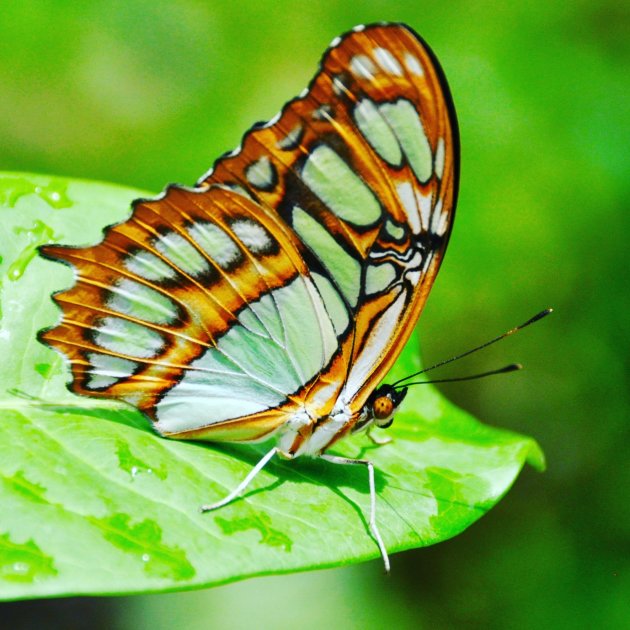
<point x="241" y="486"/>
<point x="335" y="459"/>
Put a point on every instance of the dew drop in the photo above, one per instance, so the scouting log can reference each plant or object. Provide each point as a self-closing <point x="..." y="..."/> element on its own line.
<point x="20" y="568"/>
<point x="15" y="273"/>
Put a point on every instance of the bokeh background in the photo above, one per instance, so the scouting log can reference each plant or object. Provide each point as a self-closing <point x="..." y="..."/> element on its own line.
<point x="144" y="93"/>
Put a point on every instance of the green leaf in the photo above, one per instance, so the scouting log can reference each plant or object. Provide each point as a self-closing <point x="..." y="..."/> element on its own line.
<point x="94" y="502"/>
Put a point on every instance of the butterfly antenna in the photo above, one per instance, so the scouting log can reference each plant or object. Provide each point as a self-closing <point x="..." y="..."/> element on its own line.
<point x="536" y="317"/>
<point x="513" y="367"/>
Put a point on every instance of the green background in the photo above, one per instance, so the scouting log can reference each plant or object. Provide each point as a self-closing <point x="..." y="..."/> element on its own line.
<point x="146" y="93"/>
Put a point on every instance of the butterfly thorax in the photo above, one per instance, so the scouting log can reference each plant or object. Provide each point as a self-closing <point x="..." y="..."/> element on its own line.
<point x="305" y="434"/>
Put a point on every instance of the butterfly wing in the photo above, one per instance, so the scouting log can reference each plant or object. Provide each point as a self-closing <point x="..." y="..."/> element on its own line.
<point x="193" y="310"/>
<point x="364" y="166"/>
<point x="293" y="273"/>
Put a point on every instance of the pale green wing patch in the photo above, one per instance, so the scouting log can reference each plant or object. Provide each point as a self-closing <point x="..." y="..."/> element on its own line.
<point x="407" y="125"/>
<point x="379" y="277"/>
<point x="128" y="338"/>
<point x="148" y="266"/>
<point x="181" y="253"/>
<point x="343" y="268"/>
<point x="339" y="187"/>
<point x="378" y="132"/>
<point x="137" y="300"/>
<point x="334" y="304"/>
<point x="249" y="371"/>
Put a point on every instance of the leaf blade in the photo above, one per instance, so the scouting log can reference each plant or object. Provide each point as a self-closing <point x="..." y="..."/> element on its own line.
<point x="95" y="502"/>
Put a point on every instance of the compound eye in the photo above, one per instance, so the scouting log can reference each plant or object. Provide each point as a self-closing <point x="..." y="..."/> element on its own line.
<point x="383" y="408"/>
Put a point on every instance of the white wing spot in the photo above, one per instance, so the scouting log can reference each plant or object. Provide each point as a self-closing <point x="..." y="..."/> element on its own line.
<point x="338" y="86"/>
<point x="124" y="337"/>
<point x="362" y="66"/>
<point x="292" y="139"/>
<point x="417" y="205"/>
<point x="105" y="370"/>
<point x="408" y="198"/>
<point x="441" y="228"/>
<point x="439" y="222"/>
<point x="261" y="173"/>
<point x="137" y="300"/>
<point x="387" y="61"/>
<point x="413" y="277"/>
<point x="148" y="266"/>
<point x="215" y="242"/>
<point x="323" y="112"/>
<point x="181" y="252"/>
<point x="413" y="65"/>
<point x="439" y="158"/>
<point x="252" y="235"/>
<point x="425" y="203"/>
<point x="436" y="219"/>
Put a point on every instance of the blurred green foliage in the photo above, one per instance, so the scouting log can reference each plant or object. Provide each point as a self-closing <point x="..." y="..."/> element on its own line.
<point x="144" y="93"/>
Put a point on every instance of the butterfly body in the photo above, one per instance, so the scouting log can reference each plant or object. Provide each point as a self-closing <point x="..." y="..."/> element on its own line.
<point x="271" y="299"/>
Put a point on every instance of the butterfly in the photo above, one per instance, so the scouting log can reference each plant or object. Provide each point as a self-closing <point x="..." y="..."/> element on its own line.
<point x="269" y="301"/>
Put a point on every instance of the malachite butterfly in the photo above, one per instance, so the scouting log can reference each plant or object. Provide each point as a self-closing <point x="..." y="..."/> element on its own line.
<point x="271" y="299"/>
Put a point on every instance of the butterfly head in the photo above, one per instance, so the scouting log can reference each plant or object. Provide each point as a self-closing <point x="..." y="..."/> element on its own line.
<point x="384" y="403"/>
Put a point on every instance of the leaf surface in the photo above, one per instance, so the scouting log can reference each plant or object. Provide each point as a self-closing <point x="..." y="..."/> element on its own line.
<point x="93" y="502"/>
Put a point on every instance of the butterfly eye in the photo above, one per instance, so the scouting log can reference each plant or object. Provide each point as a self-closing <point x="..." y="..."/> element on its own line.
<point x="383" y="409"/>
<point x="385" y="402"/>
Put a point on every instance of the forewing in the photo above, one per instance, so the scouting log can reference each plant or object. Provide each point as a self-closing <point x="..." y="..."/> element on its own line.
<point x="364" y="167"/>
